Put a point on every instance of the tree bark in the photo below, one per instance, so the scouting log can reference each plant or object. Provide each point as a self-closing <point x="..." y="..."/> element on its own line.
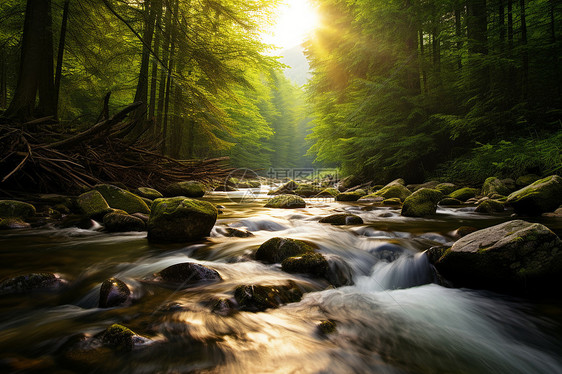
<point x="422" y="63"/>
<point x="458" y="33"/>
<point x="163" y="72"/>
<point x="60" y="56"/>
<point x="154" y="78"/>
<point x="36" y="66"/>
<point x="169" y="83"/>
<point x="477" y="26"/>
<point x="3" y="83"/>
<point x="524" y="52"/>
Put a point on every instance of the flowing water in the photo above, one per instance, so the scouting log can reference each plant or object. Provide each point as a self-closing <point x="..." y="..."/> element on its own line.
<point x="392" y="320"/>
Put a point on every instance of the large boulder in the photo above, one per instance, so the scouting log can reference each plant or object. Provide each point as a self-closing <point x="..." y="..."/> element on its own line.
<point x="119" y="198"/>
<point x="544" y="195"/>
<point x="30" y="283"/>
<point x="257" y="298"/>
<point x="16" y="209"/>
<point x="286" y="202"/>
<point x="119" y="222"/>
<point x="276" y="250"/>
<point x="113" y="292"/>
<point x="186" y="188"/>
<point x="189" y="273"/>
<point x="93" y="205"/>
<point x="464" y="193"/>
<point x="494" y="186"/>
<point x="514" y="256"/>
<point x="179" y="219"/>
<point x="421" y="203"/>
<point x="342" y="219"/>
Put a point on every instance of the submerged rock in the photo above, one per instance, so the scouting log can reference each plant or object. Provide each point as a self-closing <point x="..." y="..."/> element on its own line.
<point x="118" y="222"/>
<point x="544" y="195"/>
<point x="339" y="272"/>
<point x="113" y="292"/>
<point x="421" y="203"/>
<point x="180" y="219"/>
<point x="232" y="232"/>
<point x="119" y="198"/>
<point x="309" y="263"/>
<point x="257" y="298"/>
<point x="122" y="338"/>
<point x="276" y="250"/>
<point x="186" y="188"/>
<point x="189" y="273"/>
<point x="16" y="209"/>
<point x="516" y="256"/>
<point x="286" y="202"/>
<point x="30" y="283"/>
<point x="342" y="219"/>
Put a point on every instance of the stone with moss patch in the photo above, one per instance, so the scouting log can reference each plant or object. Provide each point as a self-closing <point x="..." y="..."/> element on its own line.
<point x="179" y="219"/>
<point x="328" y="192"/>
<point x="185" y="188"/>
<point x="489" y="206"/>
<point x="307" y="190"/>
<point x="113" y="292"/>
<point x="313" y="264"/>
<point x="515" y="256"/>
<point x="30" y="283"/>
<point x="119" y="198"/>
<point x="257" y="298"/>
<point x="286" y="202"/>
<point x="93" y="205"/>
<point x="446" y="188"/>
<point x="394" y="201"/>
<point x="544" y="195"/>
<point x="287" y="188"/>
<point x="421" y="203"/>
<point x="526" y="180"/>
<point x="448" y="201"/>
<point x="493" y="186"/>
<point x="391" y="190"/>
<point x="275" y="250"/>
<point x="119" y="336"/>
<point x="149" y="193"/>
<point x="342" y="219"/>
<point x="349" y="196"/>
<point x="463" y="194"/>
<point x="16" y="209"/>
<point x="118" y="222"/>
<point x="13" y="224"/>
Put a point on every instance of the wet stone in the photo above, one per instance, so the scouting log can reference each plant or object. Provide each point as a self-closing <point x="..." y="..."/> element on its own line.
<point x="113" y="292"/>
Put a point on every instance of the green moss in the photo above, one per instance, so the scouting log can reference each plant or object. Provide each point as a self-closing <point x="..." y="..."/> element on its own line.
<point x="309" y="263"/>
<point x="307" y="190"/>
<point x="342" y="219"/>
<point x="489" y="206"/>
<point x="349" y="196"/>
<point x="286" y="202"/>
<point x="119" y="336"/>
<point x="186" y="189"/>
<point x="18" y="209"/>
<point x="149" y="193"/>
<point x="464" y="194"/>
<point x="421" y="203"/>
<point x="446" y="188"/>
<point x="278" y="249"/>
<point x="329" y="192"/>
<point x="393" y="190"/>
<point x="119" y="198"/>
<point x="92" y="204"/>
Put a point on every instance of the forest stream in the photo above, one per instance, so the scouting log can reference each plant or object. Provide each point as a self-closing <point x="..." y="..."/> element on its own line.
<point x="394" y="319"/>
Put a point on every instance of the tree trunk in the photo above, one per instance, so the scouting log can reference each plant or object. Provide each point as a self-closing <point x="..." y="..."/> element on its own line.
<point x="458" y="33"/>
<point x="36" y="66"/>
<point x="422" y="63"/>
<point x="524" y="52"/>
<point x="477" y="26"/>
<point x="169" y="84"/>
<point x="510" y="25"/>
<point x="501" y="21"/>
<point x="154" y="78"/>
<point x="412" y="69"/>
<point x="141" y="94"/>
<point x="163" y="72"/>
<point x="60" y="56"/>
<point x="3" y="83"/>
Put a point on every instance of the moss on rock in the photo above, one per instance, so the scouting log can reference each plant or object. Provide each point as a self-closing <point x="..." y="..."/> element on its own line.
<point x="421" y="203"/>
<point x="275" y="250"/>
<point x="493" y="186"/>
<point x="544" y="195"/>
<point x="16" y="209"/>
<point x="328" y="192"/>
<point x="393" y="189"/>
<point x="119" y="198"/>
<point x="93" y="205"/>
<point x="13" y="223"/>
<point x="286" y="202"/>
<point x="349" y="196"/>
<point x="149" y="193"/>
<point x="464" y="193"/>
<point x="118" y="222"/>
<point x="448" y="201"/>
<point x="446" y="188"/>
<point x="180" y="219"/>
<point x="489" y="206"/>
<point x="342" y="219"/>
<point x="186" y="188"/>
<point x="313" y="264"/>
<point x="113" y="292"/>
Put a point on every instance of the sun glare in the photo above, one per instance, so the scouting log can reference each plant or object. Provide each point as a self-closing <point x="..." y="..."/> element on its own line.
<point x="295" y="21"/>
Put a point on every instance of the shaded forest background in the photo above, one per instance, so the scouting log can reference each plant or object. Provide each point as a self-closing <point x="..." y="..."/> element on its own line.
<point x="459" y="90"/>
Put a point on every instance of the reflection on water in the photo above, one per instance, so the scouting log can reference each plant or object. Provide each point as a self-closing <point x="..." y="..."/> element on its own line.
<point x="394" y="319"/>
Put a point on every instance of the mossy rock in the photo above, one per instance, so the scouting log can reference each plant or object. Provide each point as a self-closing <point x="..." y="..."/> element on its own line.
<point x="313" y="264"/>
<point x="421" y="203"/>
<point x="13" y="224"/>
<point x="525" y="180"/>
<point x="326" y="327"/>
<point x="113" y="292"/>
<point x="118" y="222"/>
<point x="286" y="202"/>
<point x="391" y="190"/>
<point x="119" y="337"/>
<point x="258" y="298"/>
<point x="276" y="250"/>
<point x="287" y="188"/>
<point x="342" y="219"/>
<point x="448" y="201"/>
<point x="349" y="196"/>
<point x="328" y="192"/>
<point x="493" y="186"/>
<point x="186" y="188"/>
<point x="515" y="256"/>
<point x="446" y="188"/>
<point x="119" y="198"/>
<point x="30" y="283"/>
<point x="149" y="193"/>
<point x="489" y="206"/>
<point x="189" y="273"/>
<point x="393" y="201"/>
<point x="93" y="205"/>
<point x="307" y="190"/>
<point x="544" y="195"/>
<point x="16" y="209"/>
<point x="179" y="219"/>
<point x="463" y="194"/>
